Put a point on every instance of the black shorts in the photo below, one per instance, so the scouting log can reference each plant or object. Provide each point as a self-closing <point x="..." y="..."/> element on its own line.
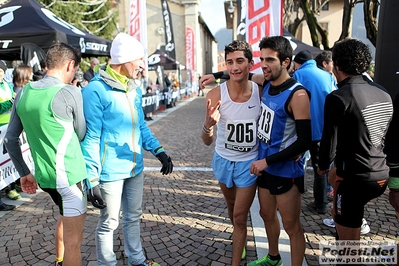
<point x="56" y="197"/>
<point x="351" y="199"/>
<point x="278" y="185"/>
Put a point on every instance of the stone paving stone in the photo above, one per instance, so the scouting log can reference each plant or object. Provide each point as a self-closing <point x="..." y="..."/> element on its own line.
<point x="184" y="221"/>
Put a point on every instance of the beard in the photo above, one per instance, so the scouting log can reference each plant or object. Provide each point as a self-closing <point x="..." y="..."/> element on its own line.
<point x="275" y="75"/>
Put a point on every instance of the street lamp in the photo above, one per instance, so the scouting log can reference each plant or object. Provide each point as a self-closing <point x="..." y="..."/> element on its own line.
<point x="230" y="13"/>
<point x="230" y="9"/>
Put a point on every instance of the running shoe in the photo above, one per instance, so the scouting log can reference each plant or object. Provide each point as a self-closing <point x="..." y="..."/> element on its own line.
<point x="58" y="263"/>
<point x="266" y="261"/>
<point x="6" y="207"/>
<point x="329" y="222"/>
<point x="365" y="228"/>
<point x="13" y="195"/>
<point x="244" y="253"/>
<point x="145" y="263"/>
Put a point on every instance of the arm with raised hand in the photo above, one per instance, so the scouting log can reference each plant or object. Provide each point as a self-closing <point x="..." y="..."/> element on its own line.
<point x="212" y="115"/>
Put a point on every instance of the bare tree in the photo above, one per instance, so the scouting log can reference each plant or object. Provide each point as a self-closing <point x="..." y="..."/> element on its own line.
<point x="349" y="6"/>
<point x="311" y="21"/>
<point x="291" y="9"/>
<point x="370" y="11"/>
<point x="310" y="8"/>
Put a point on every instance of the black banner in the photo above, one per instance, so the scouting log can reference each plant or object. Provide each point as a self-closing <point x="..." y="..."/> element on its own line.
<point x="23" y="21"/>
<point x="160" y="74"/>
<point x="241" y="19"/>
<point x="31" y="55"/>
<point x="167" y="21"/>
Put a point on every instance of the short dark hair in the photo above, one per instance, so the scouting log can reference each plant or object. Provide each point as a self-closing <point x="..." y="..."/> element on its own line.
<point x="323" y="56"/>
<point x="238" y="45"/>
<point x="279" y="44"/>
<point x="352" y="56"/>
<point x="61" y="52"/>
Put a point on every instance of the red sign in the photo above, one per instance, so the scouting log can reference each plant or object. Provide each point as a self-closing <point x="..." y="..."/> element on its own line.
<point x="190" y="49"/>
<point x="264" y="18"/>
<point x="134" y="19"/>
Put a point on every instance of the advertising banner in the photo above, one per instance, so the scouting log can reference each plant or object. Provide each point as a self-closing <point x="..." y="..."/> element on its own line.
<point x="8" y="173"/>
<point x="167" y="21"/>
<point x="138" y="24"/>
<point x="262" y="18"/>
<point x="190" y="54"/>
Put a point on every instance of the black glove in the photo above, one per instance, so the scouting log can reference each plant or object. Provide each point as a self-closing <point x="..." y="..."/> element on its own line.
<point x="94" y="195"/>
<point x="167" y="165"/>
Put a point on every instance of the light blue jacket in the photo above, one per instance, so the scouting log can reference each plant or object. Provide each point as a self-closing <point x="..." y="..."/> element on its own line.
<point x="117" y="133"/>
<point x="320" y="83"/>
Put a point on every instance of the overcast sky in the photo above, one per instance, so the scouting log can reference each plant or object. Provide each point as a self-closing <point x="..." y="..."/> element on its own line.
<point x="213" y="13"/>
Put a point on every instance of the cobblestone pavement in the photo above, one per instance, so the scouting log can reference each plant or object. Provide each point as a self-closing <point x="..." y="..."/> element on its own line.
<point x="184" y="219"/>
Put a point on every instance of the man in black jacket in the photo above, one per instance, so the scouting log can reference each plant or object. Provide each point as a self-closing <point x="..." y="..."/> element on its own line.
<point x="356" y="118"/>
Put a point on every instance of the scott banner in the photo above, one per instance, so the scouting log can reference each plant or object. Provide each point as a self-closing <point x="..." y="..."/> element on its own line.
<point x="8" y="173"/>
<point x="257" y="19"/>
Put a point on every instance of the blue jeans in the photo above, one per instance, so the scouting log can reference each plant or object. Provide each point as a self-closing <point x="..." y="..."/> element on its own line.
<point x="128" y="194"/>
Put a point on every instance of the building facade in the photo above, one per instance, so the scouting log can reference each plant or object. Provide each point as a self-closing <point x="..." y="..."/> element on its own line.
<point x="184" y="13"/>
<point x="329" y="18"/>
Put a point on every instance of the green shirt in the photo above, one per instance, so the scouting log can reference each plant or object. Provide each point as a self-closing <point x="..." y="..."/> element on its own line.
<point x="6" y="94"/>
<point x="54" y="145"/>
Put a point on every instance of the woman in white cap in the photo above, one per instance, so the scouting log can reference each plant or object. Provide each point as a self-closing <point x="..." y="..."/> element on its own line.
<point x="116" y="135"/>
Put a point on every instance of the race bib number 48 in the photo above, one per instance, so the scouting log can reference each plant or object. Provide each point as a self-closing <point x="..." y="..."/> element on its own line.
<point x="240" y="135"/>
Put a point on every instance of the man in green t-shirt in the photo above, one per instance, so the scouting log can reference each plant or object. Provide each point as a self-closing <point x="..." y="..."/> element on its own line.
<point x="51" y="114"/>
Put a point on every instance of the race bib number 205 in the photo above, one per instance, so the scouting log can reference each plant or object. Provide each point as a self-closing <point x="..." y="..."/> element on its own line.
<point x="240" y="135"/>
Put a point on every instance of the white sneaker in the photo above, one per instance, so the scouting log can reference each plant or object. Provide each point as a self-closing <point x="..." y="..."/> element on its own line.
<point x="329" y="222"/>
<point x="365" y="228"/>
